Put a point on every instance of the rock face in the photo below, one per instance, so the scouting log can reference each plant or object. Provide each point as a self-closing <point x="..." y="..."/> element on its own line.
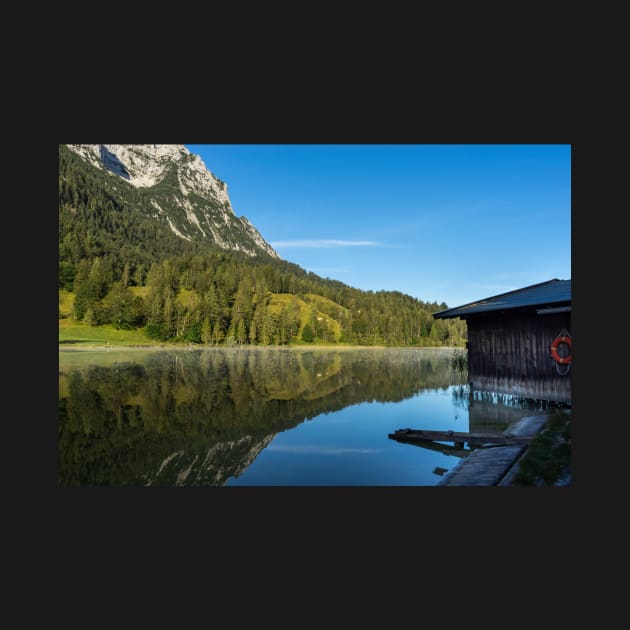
<point x="214" y="467"/>
<point x="180" y="192"/>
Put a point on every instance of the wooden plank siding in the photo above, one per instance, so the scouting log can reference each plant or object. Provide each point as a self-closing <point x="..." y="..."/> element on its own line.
<point x="508" y="352"/>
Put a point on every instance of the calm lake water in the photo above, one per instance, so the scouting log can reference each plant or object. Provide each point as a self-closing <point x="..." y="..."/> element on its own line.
<point x="264" y="417"/>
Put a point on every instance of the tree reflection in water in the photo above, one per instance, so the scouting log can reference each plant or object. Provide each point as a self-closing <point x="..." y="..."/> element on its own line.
<point x="199" y="417"/>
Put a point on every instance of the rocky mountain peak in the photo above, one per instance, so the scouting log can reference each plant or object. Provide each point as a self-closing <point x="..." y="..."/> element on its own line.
<point x="181" y="192"/>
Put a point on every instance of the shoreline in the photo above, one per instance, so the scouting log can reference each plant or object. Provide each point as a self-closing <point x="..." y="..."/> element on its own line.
<point x="110" y="346"/>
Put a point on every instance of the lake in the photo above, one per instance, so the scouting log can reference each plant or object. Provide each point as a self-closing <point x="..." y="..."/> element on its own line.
<point x="264" y="416"/>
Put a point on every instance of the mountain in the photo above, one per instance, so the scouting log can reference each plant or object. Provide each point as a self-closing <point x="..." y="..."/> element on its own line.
<point x="148" y="240"/>
<point x="178" y="191"/>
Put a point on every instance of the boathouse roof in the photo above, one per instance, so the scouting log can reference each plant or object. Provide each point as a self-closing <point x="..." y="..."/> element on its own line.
<point x="547" y="295"/>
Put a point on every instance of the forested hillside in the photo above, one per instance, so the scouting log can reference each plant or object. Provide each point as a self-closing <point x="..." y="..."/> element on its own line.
<point x="123" y="267"/>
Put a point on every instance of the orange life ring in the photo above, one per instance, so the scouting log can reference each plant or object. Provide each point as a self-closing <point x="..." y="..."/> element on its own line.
<point x="554" y="350"/>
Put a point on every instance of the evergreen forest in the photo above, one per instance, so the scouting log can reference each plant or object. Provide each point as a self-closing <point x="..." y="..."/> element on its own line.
<point x="118" y="266"/>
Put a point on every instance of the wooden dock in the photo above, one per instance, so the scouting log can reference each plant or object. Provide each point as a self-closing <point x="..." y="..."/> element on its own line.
<point x="484" y="467"/>
<point x="497" y="465"/>
<point x="459" y="437"/>
<point x="496" y="455"/>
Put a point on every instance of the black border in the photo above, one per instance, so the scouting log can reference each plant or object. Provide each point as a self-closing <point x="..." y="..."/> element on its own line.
<point x="503" y="523"/>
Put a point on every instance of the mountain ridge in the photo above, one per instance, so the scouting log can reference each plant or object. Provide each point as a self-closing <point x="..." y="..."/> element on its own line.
<point x="180" y="192"/>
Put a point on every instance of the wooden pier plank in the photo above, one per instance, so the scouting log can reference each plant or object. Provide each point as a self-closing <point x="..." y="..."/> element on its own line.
<point x="484" y="467"/>
<point x="421" y="435"/>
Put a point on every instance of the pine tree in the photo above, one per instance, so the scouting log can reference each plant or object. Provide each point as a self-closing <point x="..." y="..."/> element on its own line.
<point x="206" y="331"/>
<point x="125" y="275"/>
<point x="90" y="317"/>
<point x="81" y="289"/>
<point x="241" y="332"/>
<point x="307" y="334"/>
<point x="217" y="334"/>
<point x="253" y="331"/>
<point x="118" y="307"/>
<point x="139" y="275"/>
<point x="168" y="318"/>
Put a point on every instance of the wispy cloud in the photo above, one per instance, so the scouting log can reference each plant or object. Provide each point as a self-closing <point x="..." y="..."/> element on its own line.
<point x="324" y="243"/>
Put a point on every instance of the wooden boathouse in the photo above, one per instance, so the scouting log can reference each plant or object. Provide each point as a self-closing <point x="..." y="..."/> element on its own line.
<point x="520" y="342"/>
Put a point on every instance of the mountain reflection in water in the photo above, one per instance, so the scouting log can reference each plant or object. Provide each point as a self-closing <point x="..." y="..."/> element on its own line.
<point x="202" y="417"/>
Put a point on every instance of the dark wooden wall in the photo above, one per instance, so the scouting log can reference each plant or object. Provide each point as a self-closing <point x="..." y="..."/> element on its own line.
<point x="509" y="353"/>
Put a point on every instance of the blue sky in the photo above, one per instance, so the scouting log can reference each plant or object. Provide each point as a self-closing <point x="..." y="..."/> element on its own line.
<point x="444" y="223"/>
